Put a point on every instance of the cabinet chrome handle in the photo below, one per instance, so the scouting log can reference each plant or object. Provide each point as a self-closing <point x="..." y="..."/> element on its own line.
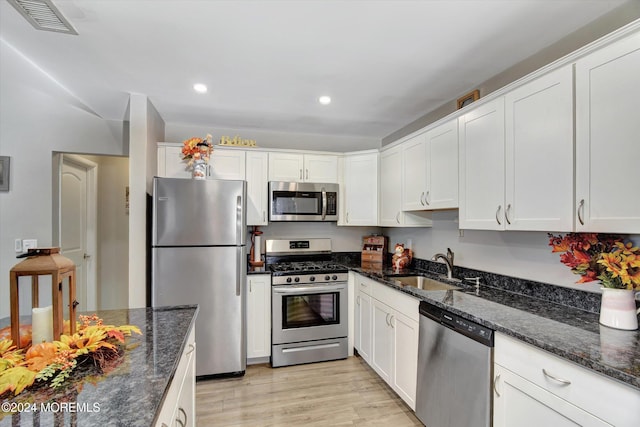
<point x="264" y="216"/>
<point x="426" y="198"/>
<point x="422" y="198"/>
<point x="300" y="174"/>
<point x="386" y="320"/>
<point x="358" y="300"/>
<point x="250" y="286"/>
<point x="191" y="349"/>
<point x="560" y="380"/>
<point x="307" y="173"/>
<point x="398" y="217"/>
<point x="581" y="209"/>
<point x="391" y="320"/>
<point x="495" y="385"/>
<point x="186" y="418"/>
<point x="497" y="213"/>
<point x="347" y="217"/>
<point x="506" y="214"/>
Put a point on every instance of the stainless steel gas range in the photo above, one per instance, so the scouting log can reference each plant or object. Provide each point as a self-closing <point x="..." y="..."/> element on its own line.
<point x="309" y="302"/>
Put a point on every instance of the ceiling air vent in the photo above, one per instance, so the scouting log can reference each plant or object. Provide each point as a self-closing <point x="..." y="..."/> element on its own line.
<point x="43" y="15"/>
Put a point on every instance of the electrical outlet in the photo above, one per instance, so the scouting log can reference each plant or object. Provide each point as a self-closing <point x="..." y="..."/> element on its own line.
<point x="17" y="245"/>
<point x="29" y="244"/>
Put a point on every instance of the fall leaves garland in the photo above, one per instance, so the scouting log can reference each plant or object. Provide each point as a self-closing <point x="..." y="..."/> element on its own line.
<point x="53" y="362"/>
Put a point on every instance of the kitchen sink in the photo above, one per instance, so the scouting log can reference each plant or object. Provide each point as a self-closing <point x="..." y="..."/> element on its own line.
<point x="421" y="282"/>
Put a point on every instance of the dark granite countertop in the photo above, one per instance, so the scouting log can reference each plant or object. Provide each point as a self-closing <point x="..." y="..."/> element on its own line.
<point x="132" y="394"/>
<point x="568" y="332"/>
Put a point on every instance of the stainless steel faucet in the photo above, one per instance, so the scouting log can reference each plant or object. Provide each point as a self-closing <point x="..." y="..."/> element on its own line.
<point x="448" y="260"/>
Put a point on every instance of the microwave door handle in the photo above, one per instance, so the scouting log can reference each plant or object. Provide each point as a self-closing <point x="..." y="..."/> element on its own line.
<point x="324" y="203"/>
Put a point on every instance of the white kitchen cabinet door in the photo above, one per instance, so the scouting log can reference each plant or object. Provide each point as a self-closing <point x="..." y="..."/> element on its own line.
<point x="607" y="132"/>
<point x="481" y="143"/>
<point x="519" y="402"/>
<point x="361" y="189"/>
<point x="391" y="187"/>
<point x="405" y="357"/>
<point x="288" y="167"/>
<point x="170" y="163"/>
<point x="227" y="164"/>
<point x="258" y="316"/>
<point x="382" y="343"/>
<point x="414" y="173"/>
<point x="442" y="172"/>
<point x="257" y="188"/>
<point x="364" y="325"/>
<point x="321" y="168"/>
<point x="539" y="154"/>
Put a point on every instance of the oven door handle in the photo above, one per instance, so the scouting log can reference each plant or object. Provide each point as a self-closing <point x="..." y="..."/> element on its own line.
<point x="299" y="289"/>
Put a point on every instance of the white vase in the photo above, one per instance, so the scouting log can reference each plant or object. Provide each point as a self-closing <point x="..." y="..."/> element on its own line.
<point x="618" y="309"/>
<point x="199" y="170"/>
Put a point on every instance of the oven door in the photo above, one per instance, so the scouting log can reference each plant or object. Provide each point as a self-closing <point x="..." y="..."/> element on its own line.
<point x="309" y="312"/>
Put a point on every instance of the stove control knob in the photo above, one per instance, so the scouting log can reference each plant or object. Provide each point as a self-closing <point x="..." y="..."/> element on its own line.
<point x="297" y="279"/>
<point x="312" y="279"/>
<point x="327" y="277"/>
<point x="334" y="277"/>
<point x="288" y="279"/>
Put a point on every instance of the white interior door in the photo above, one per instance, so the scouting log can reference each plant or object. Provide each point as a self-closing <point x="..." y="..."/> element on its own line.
<point x="78" y="225"/>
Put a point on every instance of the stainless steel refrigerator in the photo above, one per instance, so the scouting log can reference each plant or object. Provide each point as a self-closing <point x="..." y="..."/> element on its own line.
<point x="199" y="257"/>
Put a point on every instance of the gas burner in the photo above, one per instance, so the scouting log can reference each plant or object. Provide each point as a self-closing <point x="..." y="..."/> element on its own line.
<point x="307" y="267"/>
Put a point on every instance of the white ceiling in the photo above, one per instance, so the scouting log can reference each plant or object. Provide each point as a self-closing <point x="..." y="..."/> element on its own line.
<point x="384" y="63"/>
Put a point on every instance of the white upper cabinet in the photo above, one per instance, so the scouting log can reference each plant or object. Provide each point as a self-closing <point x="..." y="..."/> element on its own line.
<point x="481" y="141"/>
<point x="170" y="163"/>
<point x="294" y="167"/>
<point x="360" y="189"/>
<point x="430" y="169"/>
<point x="227" y="164"/>
<point x="391" y="213"/>
<point x="539" y="154"/>
<point x="516" y="158"/>
<point x="257" y="188"/>
<point x="607" y="132"/>
<point x="390" y="187"/>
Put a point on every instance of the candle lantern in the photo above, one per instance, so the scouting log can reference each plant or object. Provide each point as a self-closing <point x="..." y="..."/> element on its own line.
<point x="44" y="262"/>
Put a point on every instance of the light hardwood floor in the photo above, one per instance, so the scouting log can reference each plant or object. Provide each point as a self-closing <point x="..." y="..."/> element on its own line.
<point x="342" y="392"/>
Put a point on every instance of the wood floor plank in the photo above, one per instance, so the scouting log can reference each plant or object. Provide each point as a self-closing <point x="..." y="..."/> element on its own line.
<point x="338" y="393"/>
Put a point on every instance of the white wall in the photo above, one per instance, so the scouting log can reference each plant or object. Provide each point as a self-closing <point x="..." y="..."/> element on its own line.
<point x="176" y="132"/>
<point x="38" y="117"/>
<point x="522" y="254"/>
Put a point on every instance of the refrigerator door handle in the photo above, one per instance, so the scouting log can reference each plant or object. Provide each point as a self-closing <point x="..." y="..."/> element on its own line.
<point x="239" y="213"/>
<point x="238" y="270"/>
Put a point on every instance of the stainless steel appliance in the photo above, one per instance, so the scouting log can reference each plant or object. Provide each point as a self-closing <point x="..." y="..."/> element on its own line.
<point x="309" y="302"/>
<point x="455" y="356"/>
<point x="303" y="201"/>
<point x="199" y="257"/>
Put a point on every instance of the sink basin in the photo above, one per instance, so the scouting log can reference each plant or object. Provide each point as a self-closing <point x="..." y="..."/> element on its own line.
<point x="421" y="282"/>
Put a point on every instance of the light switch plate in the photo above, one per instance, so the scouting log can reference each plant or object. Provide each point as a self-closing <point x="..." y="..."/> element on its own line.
<point x="18" y="245"/>
<point x="29" y="244"/>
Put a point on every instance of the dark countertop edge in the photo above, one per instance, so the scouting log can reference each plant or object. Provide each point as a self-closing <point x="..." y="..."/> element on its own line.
<point x="180" y="353"/>
<point x="588" y="363"/>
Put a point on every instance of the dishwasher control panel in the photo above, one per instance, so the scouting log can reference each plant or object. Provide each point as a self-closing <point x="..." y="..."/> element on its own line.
<point x="459" y="324"/>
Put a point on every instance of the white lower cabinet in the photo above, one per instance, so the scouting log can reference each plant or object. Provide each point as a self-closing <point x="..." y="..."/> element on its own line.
<point x="258" y="316"/>
<point x="387" y="335"/>
<point x="533" y="388"/>
<point x="178" y="408"/>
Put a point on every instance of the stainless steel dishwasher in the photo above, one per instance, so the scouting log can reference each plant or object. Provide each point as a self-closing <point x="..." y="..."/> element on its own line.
<point x="455" y="358"/>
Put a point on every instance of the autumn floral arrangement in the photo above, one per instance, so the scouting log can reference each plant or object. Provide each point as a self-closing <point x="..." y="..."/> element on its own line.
<point x="603" y="257"/>
<point x="197" y="149"/>
<point x="50" y="364"/>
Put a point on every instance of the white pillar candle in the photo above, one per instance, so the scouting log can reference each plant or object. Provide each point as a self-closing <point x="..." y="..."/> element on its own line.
<point x="41" y="324"/>
<point x="257" y="256"/>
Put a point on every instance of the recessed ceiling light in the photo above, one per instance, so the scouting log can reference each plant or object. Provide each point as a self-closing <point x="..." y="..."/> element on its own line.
<point x="200" y="88"/>
<point x="324" y="100"/>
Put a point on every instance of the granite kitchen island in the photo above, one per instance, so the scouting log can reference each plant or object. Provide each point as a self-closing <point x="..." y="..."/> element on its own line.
<point x="134" y="392"/>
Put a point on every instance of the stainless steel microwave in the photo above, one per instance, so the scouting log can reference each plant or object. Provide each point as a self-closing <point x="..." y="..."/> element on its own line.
<point x="303" y="201"/>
